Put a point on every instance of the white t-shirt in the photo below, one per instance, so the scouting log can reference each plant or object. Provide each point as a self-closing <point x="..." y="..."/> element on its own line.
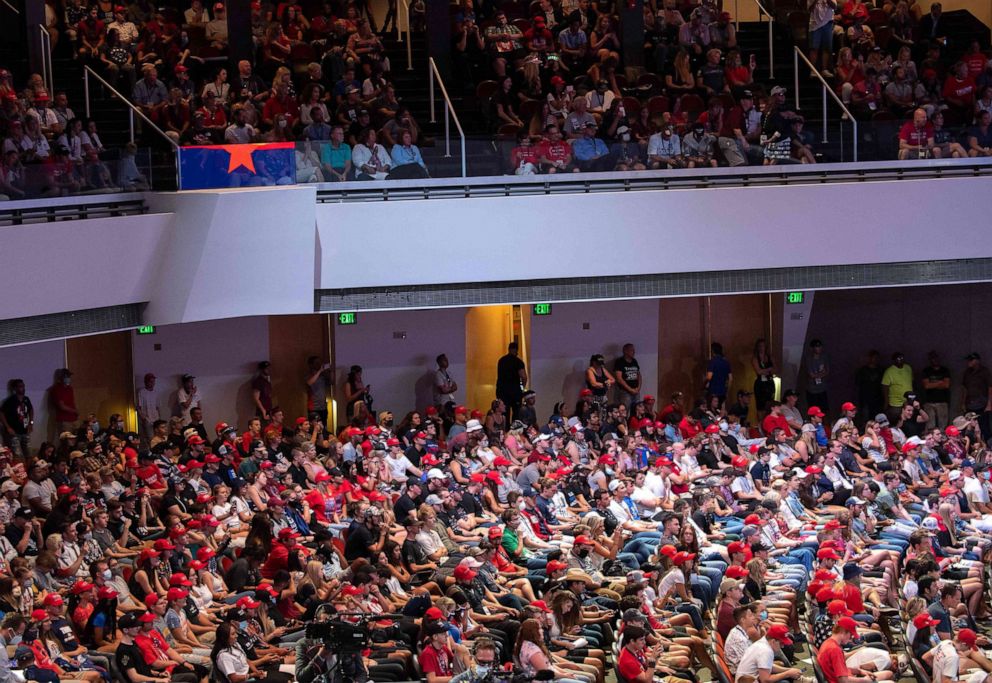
<point x="669" y="581"/>
<point x="233" y="661"/>
<point x="974" y="490"/>
<point x="639" y="496"/>
<point x="148" y="404"/>
<point x="945" y="661"/>
<point x="184" y="396"/>
<point x="398" y="467"/>
<point x="656" y="484"/>
<point x="759" y="655"/>
<point x="742" y="485"/>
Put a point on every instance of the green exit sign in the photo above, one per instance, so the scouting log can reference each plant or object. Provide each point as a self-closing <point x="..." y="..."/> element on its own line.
<point x="542" y="309"/>
<point x="795" y="297"/>
<point x="146" y="329"/>
<point x="350" y="318"/>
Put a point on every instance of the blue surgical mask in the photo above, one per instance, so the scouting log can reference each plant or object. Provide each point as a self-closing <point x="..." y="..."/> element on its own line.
<point x="764" y="614"/>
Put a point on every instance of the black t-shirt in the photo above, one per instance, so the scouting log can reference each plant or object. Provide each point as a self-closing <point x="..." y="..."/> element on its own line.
<point x="936" y="374"/>
<point x="17" y="412"/>
<point x="508" y="375"/>
<point x="15" y="534"/>
<point x="629" y="370"/>
<point x="359" y="540"/>
<point x="403" y="507"/>
<point x="740" y="411"/>
<point x="469" y="504"/>
<point x="413" y="454"/>
<point x="911" y="427"/>
<point x="130" y="657"/>
<point x="240" y="575"/>
<point x="702" y="520"/>
<point x="414" y="553"/>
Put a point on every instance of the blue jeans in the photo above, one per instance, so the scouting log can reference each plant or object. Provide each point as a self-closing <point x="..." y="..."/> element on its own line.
<point x="629" y="560"/>
<point x="640" y="547"/>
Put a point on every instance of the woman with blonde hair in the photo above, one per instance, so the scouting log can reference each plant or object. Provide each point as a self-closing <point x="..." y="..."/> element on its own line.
<point x="779" y="603"/>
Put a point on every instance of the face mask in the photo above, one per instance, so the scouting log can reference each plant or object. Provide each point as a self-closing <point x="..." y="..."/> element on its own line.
<point x="609" y="471"/>
<point x="95" y="427"/>
<point x="764" y="614"/>
<point x="67" y="381"/>
<point x="107" y="575"/>
<point x="583" y="553"/>
<point x="16" y="639"/>
<point x="282" y="124"/>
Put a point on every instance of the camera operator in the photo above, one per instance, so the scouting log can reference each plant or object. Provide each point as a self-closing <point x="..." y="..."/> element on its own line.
<point x="484" y="659"/>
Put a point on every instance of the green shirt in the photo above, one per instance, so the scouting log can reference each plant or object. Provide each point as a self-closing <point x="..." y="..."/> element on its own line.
<point x="899" y="381"/>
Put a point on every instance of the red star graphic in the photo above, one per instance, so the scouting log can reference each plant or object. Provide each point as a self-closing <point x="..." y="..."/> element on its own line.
<point x="240" y="156"/>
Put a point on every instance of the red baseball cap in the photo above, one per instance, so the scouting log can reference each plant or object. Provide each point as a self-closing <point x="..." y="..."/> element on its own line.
<point x="712" y="428"/>
<point x="669" y="550"/>
<point x="779" y="632"/>
<point x="752" y="519"/>
<point x="541" y="605"/>
<point x="838" y="607"/>
<point x="179" y="579"/>
<point x="832" y="525"/>
<point x="220" y="426"/>
<point x="434" y="613"/>
<point x="815" y="412"/>
<point x="151" y="600"/>
<point x="753" y="449"/>
<point x="352" y="590"/>
<point x="205" y="553"/>
<point x="968" y="637"/>
<point x="464" y="573"/>
<point x="735" y="572"/>
<point x="735" y="547"/>
<point x="287" y="534"/>
<point x="500" y="461"/>
<point x="106" y="593"/>
<point x="909" y="446"/>
<point x="739" y="462"/>
<point x="146" y="618"/>
<point x="583" y="540"/>
<point x="952" y="431"/>
<point x="555" y="566"/>
<point x="300" y="421"/>
<point x="924" y="620"/>
<point x="683" y="557"/>
<point x="848" y="624"/>
<point x="176" y="594"/>
<point x="585" y="392"/>
<point x="461" y="410"/>
<point x="477" y="478"/>
<point x="848" y="406"/>
<point x="824" y="575"/>
<point x="494" y="476"/>
<point x="322" y="477"/>
<point x="195" y="440"/>
<point x="393" y="441"/>
<point x="825" y="594"/>
<point x="53" y="600"/>
<point x="827" y="554"/>
<point x="164" y="544"/>
<point x="813" y="469"/>
<point x="247" y="603"/>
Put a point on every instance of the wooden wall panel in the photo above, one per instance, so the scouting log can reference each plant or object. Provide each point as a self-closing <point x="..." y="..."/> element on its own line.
<point x="292" y="338"/>
<point x="102" y="377"/>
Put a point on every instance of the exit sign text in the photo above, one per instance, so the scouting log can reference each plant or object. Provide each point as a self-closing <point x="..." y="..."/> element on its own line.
<point x="347" y="318"/>
<point x="795" y="297"/>
<point x="542" y="309"/>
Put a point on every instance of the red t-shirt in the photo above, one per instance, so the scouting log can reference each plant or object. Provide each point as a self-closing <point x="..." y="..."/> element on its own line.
<point x="151" y="475"/>
<point x="437" y="662"/>
<point x="915" y="136"/>
<point x="60" y="393"/>
<point x="689" y="430"/>
<point x="154" y="647"/>
<point x="631" y="665"/>
<point x="278" y="559"/>
<point x="772" y="422"/>
<point x="318" y="503"/>
<point x="851" y="594"/>
<point x="529" y="154"/>
<point x="963" y="90"/>
<point x="555" y="151"/>
<point x="832" y="662"/>
<point x="976" y="63"/>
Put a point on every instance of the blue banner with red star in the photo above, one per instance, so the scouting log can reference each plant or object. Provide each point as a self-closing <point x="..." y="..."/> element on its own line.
<point x="206" y="167"/>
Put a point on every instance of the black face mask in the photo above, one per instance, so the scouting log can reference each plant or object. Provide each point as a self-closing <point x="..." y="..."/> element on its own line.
<point x="582" y="553"/>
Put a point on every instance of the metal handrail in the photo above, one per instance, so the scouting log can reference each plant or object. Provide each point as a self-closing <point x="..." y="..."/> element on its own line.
<point x="797" y="53"/>
<point x="132" y="110"/>
<point x="771" y="36"/>
<point x="404" y="12"/>
<point x="46" y="59"/>
<point x="449" y="113"/>
<point x="11" y="7"/>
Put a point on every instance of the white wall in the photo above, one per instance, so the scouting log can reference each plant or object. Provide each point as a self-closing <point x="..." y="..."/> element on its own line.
<point x="560" y="346"/>
<point x="665" y="231"/>
<point x="73" y="265"/>
<point x="36" y="364"/>
<point x="400" y="370"/>
<point x="235" y="253"/>
<point x="222" y="354"/>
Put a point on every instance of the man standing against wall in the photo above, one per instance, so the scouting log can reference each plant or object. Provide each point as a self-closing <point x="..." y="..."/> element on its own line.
<point x="627" y="372"/>
<point x="976" y="391"/>
<point x="718" y="374"/>
<point x="817" y="376"/>
<point x="318" y="381"/>
<point x="17" y="415"/>
<point x="261" y="390"/>
<point x="936" y="381"/>
<point x="63" y="400"/>
<point x="511" y="378"/>
<point x="147" y="405"/>
<point x="444" y="386"/>
<point x="896" y="382"/>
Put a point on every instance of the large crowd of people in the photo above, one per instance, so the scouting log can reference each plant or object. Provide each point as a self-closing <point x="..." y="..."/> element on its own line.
<point x="622" y="535"/>
<point x="48" y="150"/>
<point x="551" y="75"/>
